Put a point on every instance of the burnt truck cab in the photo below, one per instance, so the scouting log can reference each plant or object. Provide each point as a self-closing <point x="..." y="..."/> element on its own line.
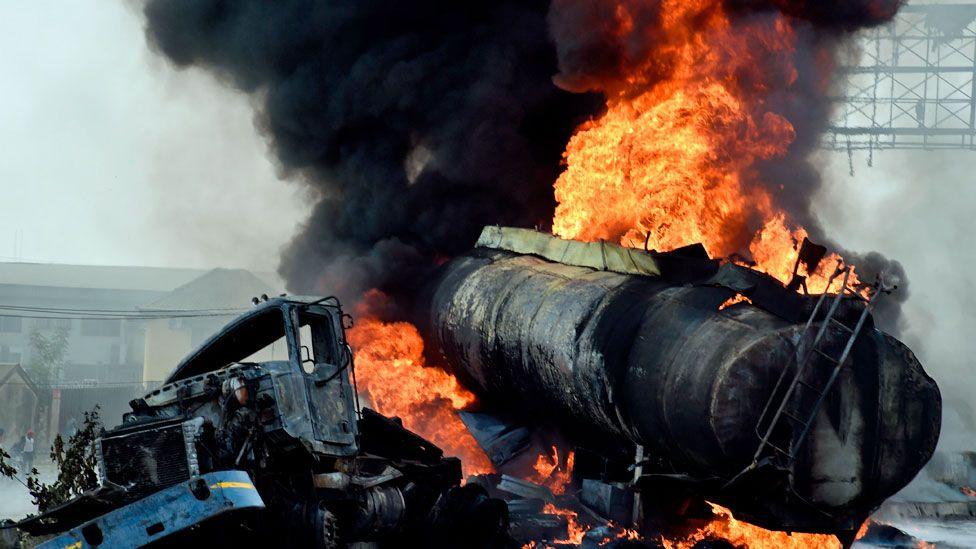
<point x="273" y="396"/>
<point x="291" y="352"/>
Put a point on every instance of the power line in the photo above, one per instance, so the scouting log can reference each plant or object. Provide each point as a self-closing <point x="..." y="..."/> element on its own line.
<point x="70" y="310"/>
<point x="129" y="317"/>
<point x="56" y="313"/>
<point x="81" y="384"/>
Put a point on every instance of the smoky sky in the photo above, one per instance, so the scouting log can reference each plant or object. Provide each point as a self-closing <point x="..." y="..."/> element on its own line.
<point x="351" y="94"/>
<point x="417" y="123"/>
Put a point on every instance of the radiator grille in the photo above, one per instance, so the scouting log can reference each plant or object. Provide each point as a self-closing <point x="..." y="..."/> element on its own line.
<point x="147" y="460"/>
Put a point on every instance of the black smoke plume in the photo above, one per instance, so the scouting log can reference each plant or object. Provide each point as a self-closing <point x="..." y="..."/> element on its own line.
<point x="416" y="123"/>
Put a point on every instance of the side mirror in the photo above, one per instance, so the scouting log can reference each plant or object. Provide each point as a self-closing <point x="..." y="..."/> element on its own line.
<point x="308" y="364"/>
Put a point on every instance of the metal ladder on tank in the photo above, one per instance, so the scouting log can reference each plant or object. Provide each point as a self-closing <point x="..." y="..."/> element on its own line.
<point x="807" y="351"/>
<point x="805" y="356"/>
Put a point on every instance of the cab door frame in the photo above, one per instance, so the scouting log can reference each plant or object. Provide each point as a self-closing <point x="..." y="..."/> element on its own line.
<point x="329" y="388"/>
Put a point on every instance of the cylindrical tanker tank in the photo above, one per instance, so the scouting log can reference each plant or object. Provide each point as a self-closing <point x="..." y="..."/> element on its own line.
<point x="634" y="357"/>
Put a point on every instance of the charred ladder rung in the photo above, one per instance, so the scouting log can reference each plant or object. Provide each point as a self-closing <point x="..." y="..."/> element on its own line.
<point x="802" y="358"/>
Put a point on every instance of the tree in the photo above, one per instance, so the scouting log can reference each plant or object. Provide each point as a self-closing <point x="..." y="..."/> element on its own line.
<point x="48" y="356"/>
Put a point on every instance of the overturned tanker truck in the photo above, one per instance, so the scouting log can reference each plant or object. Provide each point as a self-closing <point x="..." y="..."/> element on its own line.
<point x="793" y="411"/>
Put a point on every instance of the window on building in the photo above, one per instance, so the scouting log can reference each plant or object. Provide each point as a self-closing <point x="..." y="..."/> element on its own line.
<point x="101" y="327"/>
<point x="53" y="323"/>
<point x="11" y="324"/>
<point x="115" y="355"/>
<point x="8" y="355"/>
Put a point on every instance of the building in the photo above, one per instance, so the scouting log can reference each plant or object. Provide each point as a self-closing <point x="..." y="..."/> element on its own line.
<point x="168" y="340"/>
<point x="101" y="347"/>
<point x="107" y="310"/>
<point x="124" y="327"/>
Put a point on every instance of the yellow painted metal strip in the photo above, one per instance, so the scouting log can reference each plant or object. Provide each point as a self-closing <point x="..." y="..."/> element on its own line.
<point x="233" y="485"/>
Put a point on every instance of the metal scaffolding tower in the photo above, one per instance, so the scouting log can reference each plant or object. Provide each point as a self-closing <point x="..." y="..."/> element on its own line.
<point x="914" y="86"/>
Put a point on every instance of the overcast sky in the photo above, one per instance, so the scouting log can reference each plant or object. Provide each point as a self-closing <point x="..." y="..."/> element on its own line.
<point x="108" y="155"/>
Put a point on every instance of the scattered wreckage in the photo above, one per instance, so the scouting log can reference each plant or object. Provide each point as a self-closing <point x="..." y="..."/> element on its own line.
<point x="257" y="437"/>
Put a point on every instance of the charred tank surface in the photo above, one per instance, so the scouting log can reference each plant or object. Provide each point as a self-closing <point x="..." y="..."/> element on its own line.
<point x="634" y="349"/>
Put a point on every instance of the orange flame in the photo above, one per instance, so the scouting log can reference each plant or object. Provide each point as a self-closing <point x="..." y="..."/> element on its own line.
<point x="576" y="530"/>
<point x="548" y="472"/>
<point x="737" y="298"/>
<point x="742" y="534"/>
<point x="391" y="372"/>
<point x="673" y="161"/>
<point x="545" y="465"/>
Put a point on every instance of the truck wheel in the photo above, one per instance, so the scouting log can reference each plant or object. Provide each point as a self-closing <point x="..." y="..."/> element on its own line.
<point x="466" y="516"/>
<point x="326" y="529"/>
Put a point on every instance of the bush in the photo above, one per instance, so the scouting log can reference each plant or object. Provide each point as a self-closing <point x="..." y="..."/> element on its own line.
<point x="75" y="462"/>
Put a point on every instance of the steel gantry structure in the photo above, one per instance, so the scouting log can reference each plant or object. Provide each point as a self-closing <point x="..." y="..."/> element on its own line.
<point x="914" y="84"/>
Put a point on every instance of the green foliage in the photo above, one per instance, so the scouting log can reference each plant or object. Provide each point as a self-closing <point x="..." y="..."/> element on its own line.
<point x="76" y="466"/>
<point x="6" y="470"/>
<point x="48" y="355"/>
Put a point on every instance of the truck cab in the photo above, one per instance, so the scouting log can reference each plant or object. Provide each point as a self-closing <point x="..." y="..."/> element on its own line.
<point x="299" y="342"/>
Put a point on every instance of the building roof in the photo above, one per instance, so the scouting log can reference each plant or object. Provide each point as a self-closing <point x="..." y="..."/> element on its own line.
<point x="216" y="289"/>
<point x="159" y="279"/>
<point x="8" y="370"/>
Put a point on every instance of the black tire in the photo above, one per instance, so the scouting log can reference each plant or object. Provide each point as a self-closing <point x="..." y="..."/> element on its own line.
<point x="466" y="516"/>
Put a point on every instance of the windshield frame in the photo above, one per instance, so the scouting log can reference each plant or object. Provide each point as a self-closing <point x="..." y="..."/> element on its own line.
<point x="238" y="340"/>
